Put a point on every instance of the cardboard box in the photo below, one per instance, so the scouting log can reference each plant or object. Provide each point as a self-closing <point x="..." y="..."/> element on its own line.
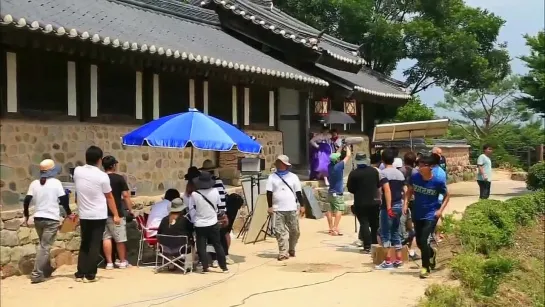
<point x="378" y="253"/>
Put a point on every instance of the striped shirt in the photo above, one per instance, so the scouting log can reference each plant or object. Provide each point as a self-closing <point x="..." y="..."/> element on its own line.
<point x="221" y="190"/>
<point x="395" y="178"/>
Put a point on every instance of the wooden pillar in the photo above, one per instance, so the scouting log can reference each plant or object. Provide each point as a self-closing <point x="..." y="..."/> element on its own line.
<point x="11" y="75"/>
<point x="271" y="108"/>
<point x="205" y="97"/>
<point x="94" y="91"/>
<point x="139" y="96"/>
<point x="156" y="96"/>
<point x="246" y="106"/>
<point x="191" y="93"/>
<point x="234" y="104"/>
<point x="71" y="89"/>
<point x="147" y="95"/>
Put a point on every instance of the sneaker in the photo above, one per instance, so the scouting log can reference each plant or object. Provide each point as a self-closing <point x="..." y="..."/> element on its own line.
<point x="86" y="280"/>
<point x="203" y="271"/>
<point x="79" y="279"/>
<point x="283" y="257"/>
<point x="398" y="264"/>
<point x="291" y="253"/>
<point x="385" y="266"/>
<point x="358" y="243"/>
<point x="414" y="257"/>
<point x="229" y="261"/>
<point x="117" y="262"/>
<point x="37" y="280"/>
<point x="109" y="266"/>
<point x="123" y="265"/>
<point x="433" y="260"/>
<point x="366" y="251"/>
<point x="215" y="264"/>
<point x="424" y="273"/>
<point x="226" y="271"/>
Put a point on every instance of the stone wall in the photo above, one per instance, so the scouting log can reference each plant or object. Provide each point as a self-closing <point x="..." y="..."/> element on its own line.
<point x="151" y="170"/>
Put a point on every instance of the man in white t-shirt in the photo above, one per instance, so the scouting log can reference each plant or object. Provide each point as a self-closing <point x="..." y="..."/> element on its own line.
<point x="94" y="198"/>
<point x="159" y="210"/>
<point x="283" y="198"/>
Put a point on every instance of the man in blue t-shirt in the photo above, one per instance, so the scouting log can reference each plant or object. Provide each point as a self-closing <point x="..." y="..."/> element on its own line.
<point x="335" y="192"/>
<point x="426" y="185"/>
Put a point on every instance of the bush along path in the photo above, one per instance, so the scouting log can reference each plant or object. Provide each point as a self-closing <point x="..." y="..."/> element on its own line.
<point x="498" y="255"/>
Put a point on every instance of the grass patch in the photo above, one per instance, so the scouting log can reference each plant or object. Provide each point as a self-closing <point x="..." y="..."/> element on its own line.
<point x="500" y="259"/>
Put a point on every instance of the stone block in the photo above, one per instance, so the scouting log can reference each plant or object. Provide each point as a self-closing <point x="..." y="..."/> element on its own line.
<point x="5" y="255"/>
<point x="73" y="244"/>
<point x="519" y="176"/>
<point x="13" y="224"/>
<point x="24" y="235"/>
<point x="9" y="270"/>
<point x="26" y="264"/>
<point x="8" y="238"/>
<point x="9" y="215"/>
<point x="64" y="258"/>
<point x="18" y="252"/>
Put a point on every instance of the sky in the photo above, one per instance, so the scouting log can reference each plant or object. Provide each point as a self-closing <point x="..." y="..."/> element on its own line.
<point x="521" y="17"/>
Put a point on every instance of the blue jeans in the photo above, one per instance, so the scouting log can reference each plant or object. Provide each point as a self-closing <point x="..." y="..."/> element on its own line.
<point x="389" y="227"/>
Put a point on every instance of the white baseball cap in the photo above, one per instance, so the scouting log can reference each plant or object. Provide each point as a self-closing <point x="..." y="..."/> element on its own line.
<point x="397" y="163"/>
<point x="284" y="159"/>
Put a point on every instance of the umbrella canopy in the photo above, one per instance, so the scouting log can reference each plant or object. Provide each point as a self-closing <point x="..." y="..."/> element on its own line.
<point x="337" y="117"/>
<point x="191" y="129"/>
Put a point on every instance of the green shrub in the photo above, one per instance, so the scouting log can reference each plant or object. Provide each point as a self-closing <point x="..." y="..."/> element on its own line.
<point x="536" y="177"/>
<point x="448" y="225"/>
<point x="480" y="274"/>
<point x="486" y="227"/>
<point x="444" y="296"/>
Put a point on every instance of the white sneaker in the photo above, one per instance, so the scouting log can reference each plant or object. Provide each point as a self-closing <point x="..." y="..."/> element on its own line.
<point x="358" y="243"/>
<point x="123" y="265"/>
<point x="109" y="266"/>
<point x="215" y="264"/>
<point x="229" y="260"/>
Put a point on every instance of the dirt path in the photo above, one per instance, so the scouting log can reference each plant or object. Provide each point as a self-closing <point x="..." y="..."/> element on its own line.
<point x="346" y="276"/>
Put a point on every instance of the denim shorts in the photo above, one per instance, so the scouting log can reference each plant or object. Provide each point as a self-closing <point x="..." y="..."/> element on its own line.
<point x="389" y="227"/>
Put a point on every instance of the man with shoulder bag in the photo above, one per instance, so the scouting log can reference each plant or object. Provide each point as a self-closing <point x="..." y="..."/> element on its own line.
<point x="283" y="198"/>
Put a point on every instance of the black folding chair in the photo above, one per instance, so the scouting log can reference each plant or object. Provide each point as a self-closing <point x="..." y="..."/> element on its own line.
<point x="177" y="251"/>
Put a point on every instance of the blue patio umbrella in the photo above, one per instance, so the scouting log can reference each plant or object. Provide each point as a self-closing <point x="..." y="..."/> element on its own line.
<point x="191" y="129"/>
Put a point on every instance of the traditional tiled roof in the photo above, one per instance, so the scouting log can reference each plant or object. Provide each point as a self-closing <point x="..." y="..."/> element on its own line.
<point x="370" y="82"/>
<point x="160" y="27"/>
<point x="290" y="28"/>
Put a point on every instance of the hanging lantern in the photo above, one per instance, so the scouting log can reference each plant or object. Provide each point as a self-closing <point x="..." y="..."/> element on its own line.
<point x="321" y="106"/>
<point x="350" y="107"/>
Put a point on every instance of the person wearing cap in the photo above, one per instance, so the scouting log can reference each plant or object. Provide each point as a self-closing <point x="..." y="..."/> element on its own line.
<point x="47" y="193"/>
<point x="94" y="198"/>
<point x="363" y="182"/>
<point x="336" y="189"/>
<point x="426" y="186"/>
<point x="116" y="232"/>
<point x="283" y="198"/>
<point x="398" y="162"/>
<point x="204" y="204"/>
<point x="160" y="210"/>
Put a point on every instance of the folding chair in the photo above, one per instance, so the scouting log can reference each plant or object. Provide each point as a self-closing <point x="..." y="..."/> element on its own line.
<point x="176" y="251"/>
<point x="145" y="241"/>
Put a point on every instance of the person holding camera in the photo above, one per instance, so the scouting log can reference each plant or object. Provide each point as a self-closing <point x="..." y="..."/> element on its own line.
<point x="336" y="189"/>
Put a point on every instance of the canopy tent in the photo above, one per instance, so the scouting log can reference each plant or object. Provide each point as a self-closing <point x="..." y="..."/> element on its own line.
<point x="410" y="130"/>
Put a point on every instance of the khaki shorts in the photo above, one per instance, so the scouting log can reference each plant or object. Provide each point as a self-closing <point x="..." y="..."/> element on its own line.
<point x="335" y="203"/>
<point x="116" y="232"/>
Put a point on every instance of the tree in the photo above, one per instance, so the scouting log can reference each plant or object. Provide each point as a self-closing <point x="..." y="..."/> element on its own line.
<point x="484" y="110"/>
<point x="533" y="83"/>
<point x="414" y="111"/>
<point x="450" y="43"/>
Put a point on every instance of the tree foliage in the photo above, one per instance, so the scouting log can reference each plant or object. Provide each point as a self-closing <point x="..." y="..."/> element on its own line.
<point x="414" y="111"/>
<point x="533" y="83"/>
<point x="484" y="110"/>
<point x="450" y="43"/>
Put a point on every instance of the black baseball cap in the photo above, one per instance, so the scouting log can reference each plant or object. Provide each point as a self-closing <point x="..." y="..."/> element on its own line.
<point x="108" y="162"/>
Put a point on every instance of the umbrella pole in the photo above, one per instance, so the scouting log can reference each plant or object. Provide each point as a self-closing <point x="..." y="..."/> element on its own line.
<point x="191" y="157"/>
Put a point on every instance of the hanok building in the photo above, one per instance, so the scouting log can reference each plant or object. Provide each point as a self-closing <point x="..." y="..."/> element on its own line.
<point x="77" y="73"/>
